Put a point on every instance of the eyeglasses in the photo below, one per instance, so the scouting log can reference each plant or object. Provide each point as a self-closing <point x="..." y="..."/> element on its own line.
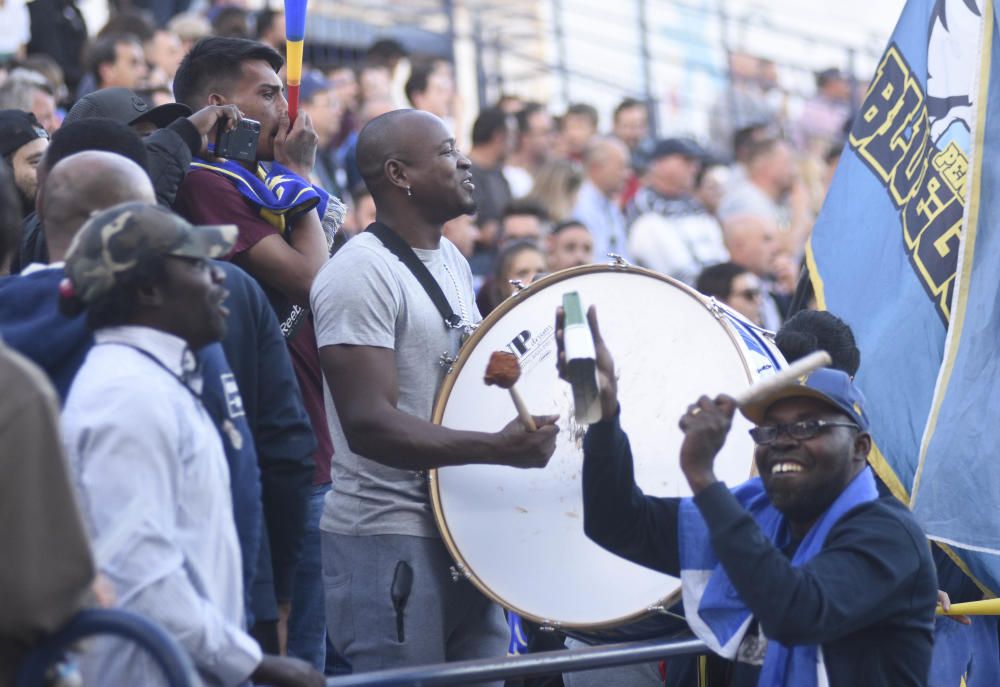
<point x="748" y="294"/>
<point x="800" y="431"/>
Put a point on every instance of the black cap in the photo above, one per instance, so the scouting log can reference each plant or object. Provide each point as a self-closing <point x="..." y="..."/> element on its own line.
<point x="122" y="105"/>
<point x="676" y="146"/>
<point x="18" y="128"/>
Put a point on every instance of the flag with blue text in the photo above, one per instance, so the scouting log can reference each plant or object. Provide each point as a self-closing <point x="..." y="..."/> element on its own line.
<point x="907" y="251"/>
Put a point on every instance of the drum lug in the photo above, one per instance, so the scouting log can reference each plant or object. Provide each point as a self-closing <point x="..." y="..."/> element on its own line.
<point x="446" y="361"/>
<point x="618" y="261"/>
<point x="550" y="626"/>
<point x="658" y="608"/>
<point x="715" y="309"/>
<point x="458" y="572"/>
<point x="517" y="284"/>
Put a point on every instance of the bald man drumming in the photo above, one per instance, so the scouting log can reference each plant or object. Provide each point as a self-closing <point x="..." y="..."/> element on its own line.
<point x="390" y="599"/>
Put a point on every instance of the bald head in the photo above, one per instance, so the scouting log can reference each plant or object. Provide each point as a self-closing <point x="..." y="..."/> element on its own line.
<point x="413" y="169"/>
<point x="606" y="160"/>
<point x="752" y="241"/>
<point x="390" y="136"/>
<point x="83" y="184"/>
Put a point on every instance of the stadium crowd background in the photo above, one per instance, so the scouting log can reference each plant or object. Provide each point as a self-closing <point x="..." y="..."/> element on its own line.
<point x="747" y="192"/>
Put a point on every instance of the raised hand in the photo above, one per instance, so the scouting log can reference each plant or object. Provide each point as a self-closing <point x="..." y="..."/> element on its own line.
<point x="607" y="383"/>
<point x="214" y="118"/>
<point x="705" y="426"/>
<point x="295" y="147"/>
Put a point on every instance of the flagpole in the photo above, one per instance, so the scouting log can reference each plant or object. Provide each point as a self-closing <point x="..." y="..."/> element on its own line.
<point x="984" y="607"/>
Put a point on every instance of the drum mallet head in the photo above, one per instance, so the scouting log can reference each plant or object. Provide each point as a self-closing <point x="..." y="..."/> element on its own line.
<point x="503" y="371"/>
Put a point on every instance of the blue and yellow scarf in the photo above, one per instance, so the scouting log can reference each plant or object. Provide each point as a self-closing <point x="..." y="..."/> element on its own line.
<point x="280" y="194"/>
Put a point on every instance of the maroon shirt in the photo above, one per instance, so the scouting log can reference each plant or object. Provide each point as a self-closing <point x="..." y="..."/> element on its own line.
<point x="209" y="198"/>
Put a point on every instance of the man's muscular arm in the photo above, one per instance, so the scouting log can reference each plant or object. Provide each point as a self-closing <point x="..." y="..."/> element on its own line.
<point x="365" y="392"/>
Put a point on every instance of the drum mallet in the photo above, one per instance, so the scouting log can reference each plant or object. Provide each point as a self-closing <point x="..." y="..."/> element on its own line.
<point x="503" y="371"/>
<point x="785" y="377"/>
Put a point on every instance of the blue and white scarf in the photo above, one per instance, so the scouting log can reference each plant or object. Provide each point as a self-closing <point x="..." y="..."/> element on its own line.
<point x="280" y="194"/>
<point x="712" y="605"/>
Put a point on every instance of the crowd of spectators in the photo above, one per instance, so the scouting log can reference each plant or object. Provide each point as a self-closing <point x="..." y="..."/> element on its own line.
<point x="127" y="115"/>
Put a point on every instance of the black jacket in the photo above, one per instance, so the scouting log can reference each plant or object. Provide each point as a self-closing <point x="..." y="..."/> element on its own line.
<point x="867" y="598"/>
<point x="259" y="358"/>
<point x="170" y="151"/>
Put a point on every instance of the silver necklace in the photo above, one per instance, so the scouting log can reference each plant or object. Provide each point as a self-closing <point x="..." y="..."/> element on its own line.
<point x="466" y="323"/>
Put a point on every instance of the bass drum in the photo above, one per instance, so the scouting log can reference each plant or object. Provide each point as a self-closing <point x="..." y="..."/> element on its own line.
<point x="518" y="534"/>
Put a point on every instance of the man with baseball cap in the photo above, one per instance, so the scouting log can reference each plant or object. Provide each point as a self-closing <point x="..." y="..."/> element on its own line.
<point x="125" y="106"/>
<point x="670" y="231"/>
<point x="171" y="133"/>
<point x="148" y="460"/>
<point x="22" y="144"/>
<point x="802" y="576"/>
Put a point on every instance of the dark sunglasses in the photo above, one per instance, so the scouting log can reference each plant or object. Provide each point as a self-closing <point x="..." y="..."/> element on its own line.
<point x="800" y="431"/>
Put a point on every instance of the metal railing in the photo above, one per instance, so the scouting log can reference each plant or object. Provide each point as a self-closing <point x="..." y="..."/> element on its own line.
<point x="673" y="54"/>
<point x="178" y="669"/>
<point x="530" y="665"/>
<point x="173" y="661"/>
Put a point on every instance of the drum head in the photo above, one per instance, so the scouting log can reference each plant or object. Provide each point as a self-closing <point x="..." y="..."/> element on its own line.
<point x="519" y="533"/>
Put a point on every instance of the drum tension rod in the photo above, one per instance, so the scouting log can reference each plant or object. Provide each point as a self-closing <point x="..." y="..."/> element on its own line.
<point x="517" y="284"/>
<point x="458" y="571"/>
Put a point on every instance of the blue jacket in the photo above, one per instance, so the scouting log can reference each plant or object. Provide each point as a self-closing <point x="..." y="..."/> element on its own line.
<point x="257" y="352"/>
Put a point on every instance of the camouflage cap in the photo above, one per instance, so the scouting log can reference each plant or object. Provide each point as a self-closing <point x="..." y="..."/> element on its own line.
<point x="116" y="241"/>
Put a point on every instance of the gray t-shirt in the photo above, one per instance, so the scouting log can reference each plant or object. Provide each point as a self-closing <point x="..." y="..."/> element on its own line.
<point x="365" y="296"/>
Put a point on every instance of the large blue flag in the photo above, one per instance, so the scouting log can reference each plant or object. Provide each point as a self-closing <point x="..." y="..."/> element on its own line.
<point x="907" y="251"/>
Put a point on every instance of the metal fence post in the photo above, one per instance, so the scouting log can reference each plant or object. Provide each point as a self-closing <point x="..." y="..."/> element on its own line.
<point x="647" y="67"/>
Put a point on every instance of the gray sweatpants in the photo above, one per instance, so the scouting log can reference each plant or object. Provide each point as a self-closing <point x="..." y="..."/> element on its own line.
<point x="442" y="620"/>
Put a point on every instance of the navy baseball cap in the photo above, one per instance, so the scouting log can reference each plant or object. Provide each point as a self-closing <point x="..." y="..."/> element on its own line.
<point x="676" y="146"/>
<point x="313" y="82"/>
<point x="825" y="384"/>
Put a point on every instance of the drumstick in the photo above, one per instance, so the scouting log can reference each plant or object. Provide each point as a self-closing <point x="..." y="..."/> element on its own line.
<point x="984" y="607"/>
<point x="503" y="371"/>
<point x="784" y="377"/>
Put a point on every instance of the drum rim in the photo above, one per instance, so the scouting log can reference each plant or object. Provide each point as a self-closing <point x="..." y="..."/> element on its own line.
<point x="448" y="384"/>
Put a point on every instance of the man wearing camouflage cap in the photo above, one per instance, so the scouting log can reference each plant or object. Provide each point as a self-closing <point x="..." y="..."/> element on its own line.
<point x="148" y="461"/>
<point x="801" y="577"/>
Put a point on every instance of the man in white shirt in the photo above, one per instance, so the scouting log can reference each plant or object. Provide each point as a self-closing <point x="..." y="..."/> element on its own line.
<point x="671" y="232"/>
<point x="606" y="163"/>
<point x="147" y="460"/>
